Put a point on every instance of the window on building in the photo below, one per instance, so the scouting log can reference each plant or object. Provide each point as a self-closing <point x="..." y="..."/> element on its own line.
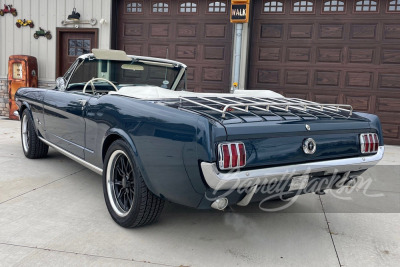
<point x="160" y="7"/>
<point x="333" y="6"/>
<point x="303" y="7"/>
<point x="78" y="47"/>
<point x="188" y="7"/>
<point x="217" y="6"/>
<point x="394" y="6"/>
<point x="273" y="7"/>
<point x="366" y="6"/>
<point x="134" y="7"/>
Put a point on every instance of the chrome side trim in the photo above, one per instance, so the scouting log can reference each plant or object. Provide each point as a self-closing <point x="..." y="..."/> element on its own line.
<point x="73" y="157"/>
<point x="72" y="143"/>
<point x="241" y="179"/>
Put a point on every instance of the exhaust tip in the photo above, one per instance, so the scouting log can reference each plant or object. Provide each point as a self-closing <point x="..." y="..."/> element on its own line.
<point x="220" y="203"/>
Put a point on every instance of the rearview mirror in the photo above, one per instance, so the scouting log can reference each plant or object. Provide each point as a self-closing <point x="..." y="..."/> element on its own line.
<point x="132" y="67"/>
<point x="61" y="83"/>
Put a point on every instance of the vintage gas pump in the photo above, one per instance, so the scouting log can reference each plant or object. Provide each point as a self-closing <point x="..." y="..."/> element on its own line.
<point x="22" y="72"/>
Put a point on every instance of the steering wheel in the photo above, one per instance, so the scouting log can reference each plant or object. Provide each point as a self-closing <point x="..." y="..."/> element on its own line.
<point x="93" y="87"/>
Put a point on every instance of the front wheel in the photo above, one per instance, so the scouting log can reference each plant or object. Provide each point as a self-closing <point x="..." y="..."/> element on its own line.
<point x="48" y="36"/>
<point x="14" y="13"/>
<point x="36" y="36"/>
<point x="129" y="201"/>
<point x="31" y="145"/>
<point x="1" y="13"/>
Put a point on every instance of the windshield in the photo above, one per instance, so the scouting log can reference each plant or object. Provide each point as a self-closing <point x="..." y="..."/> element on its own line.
<point x="125" y="73"/>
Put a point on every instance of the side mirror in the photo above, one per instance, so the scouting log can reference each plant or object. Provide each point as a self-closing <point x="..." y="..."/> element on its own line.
<point x="61" y="83"/>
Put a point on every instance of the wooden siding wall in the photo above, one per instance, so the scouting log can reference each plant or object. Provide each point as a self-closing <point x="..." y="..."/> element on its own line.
<point x="47" y="14"/>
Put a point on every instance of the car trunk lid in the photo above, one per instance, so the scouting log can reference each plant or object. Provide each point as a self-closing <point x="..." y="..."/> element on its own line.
<point x="274" y="130"/>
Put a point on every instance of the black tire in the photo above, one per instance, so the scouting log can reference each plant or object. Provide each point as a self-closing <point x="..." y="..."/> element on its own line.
<point x="36" y="36"/>
<point x="31" y="145"/>
<point x="129" y="201"/>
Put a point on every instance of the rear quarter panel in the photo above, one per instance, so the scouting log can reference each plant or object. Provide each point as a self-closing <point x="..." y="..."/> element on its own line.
<point x="164" y="141"/>
<point x="375" y="124"/>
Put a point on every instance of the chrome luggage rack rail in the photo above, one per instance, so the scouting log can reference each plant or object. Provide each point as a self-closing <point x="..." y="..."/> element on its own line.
<point x="264" y="104"/>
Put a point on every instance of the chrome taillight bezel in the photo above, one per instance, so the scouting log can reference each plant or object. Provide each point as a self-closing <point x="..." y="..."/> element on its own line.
<point x="372" y="143"/>
<point x="221" y="161"/>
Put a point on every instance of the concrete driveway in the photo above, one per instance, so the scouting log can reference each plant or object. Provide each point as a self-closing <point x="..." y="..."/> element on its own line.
<point x="52" y="212"/>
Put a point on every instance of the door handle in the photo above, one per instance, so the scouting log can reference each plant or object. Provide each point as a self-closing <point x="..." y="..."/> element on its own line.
<point x="83" y="103"/>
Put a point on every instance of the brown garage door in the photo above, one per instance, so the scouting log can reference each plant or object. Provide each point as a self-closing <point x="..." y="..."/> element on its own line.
<point x="332" y="52"/>
<point x="195" y="32"/>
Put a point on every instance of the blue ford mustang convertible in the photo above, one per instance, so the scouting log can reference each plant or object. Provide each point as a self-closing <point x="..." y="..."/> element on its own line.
<point x="130" y="119"/>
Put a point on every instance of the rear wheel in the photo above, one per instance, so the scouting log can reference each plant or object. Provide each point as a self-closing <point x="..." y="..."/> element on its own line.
<point x="129" y="201"/>
<point x="31" y="145"/>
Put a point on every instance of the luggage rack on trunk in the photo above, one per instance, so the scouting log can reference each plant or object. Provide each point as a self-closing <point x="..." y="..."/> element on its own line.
<point x="225" y="105"/>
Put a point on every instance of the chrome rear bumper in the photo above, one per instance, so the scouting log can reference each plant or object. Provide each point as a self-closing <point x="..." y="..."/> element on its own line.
<point x="242" y="179"/>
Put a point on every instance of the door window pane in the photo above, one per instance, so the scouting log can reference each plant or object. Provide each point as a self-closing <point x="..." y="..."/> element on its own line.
<point x="134" y="7"/>
<point x="394" y="6"/>
<point x="366" y="6"/>
<point x="77" y="47"/>
<point x="273" y="7"/>
<point x="217" y="7"/>
<point x="160" y="7"/>
<point x="333" y="6"/>
<point x="303" y="7"/>
<point x="188" y="7"/>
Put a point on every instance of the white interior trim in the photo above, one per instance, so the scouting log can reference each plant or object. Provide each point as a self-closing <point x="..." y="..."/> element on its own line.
<point x="155" y="92"/>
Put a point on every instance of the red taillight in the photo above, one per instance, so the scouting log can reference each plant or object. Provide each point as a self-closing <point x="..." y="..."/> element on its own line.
<point x="369" y="143"/>
<point x="376" y="142"/>
<point x="242" y="153"/>
<point x="234" y="155"/>
<point x="226" y="156"/>
<point x="365" y="143"/>
<point x="231" y="155"/>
